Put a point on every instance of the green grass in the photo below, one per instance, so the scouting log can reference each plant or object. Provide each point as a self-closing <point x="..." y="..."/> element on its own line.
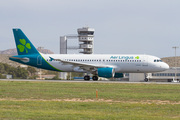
<point x="35" y="100"/>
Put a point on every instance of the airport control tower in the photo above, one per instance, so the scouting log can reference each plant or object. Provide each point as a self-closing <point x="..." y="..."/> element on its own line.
<point x="86" y="39"/>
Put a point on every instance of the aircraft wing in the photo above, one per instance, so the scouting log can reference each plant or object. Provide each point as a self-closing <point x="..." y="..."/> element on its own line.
<point x="84" y="66"/>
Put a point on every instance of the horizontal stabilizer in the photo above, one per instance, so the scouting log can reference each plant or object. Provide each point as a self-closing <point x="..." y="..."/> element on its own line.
<point x="22" y="59"/>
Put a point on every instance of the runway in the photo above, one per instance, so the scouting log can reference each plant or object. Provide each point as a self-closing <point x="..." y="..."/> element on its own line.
<point x="79" y="81"/>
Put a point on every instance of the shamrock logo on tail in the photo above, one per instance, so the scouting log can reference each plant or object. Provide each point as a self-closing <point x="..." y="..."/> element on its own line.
<point x="24" y="46"/>
<point x="137" y="57"/>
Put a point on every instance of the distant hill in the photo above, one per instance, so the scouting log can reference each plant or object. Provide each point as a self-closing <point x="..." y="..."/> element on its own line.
<point x="171" y="61"/>
<point x="5" y="59"/>
<point x="14" y="51"/>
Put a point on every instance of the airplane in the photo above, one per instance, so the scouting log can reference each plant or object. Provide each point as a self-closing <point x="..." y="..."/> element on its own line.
<point x="107" y="66"/>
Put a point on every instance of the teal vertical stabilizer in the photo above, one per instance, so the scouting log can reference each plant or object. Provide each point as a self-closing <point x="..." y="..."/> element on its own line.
<point x="27" y="53"/>
<point x="23" y="44"/>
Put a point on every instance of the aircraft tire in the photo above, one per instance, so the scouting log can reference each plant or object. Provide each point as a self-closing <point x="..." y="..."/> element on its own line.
<point x="95" y="78"/>
<point x="86" y="78"/>
<point x="146" y="80"/>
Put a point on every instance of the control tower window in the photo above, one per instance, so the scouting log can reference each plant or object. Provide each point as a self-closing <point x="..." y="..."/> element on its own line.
<point x="90" y="33"/>
<point x="86" y="32"/>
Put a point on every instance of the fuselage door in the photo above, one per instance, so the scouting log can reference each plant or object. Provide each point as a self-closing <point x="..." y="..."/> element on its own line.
<point x="39" y="60"/>
<point x="145" y="61"/>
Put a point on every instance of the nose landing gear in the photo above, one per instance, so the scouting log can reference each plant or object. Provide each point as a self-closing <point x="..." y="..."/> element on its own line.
<point x="146" y="80"/>
<point x="146" y="77"/>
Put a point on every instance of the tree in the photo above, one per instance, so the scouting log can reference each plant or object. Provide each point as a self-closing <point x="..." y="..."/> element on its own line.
<point x="12" y="72"/>
<point x="15" y="72"/>
<point x="2" y="76"/>
<point x="21" y="73"/>
<point x="2" y="70"/>
<point x="32" y="70"/>
<point x="56" y="78"/>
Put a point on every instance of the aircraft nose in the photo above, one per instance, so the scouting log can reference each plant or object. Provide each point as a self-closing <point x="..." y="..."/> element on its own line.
<point x="165" y="66"/>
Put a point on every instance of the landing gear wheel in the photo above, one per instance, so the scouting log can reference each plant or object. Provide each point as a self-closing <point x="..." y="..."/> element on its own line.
<point x="146" y="80"/>
<point x="95" y="78"/>
<point x="86" y="77"/>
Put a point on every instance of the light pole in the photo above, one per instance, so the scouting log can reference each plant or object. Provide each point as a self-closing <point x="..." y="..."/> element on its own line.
<point x="175" y="61"/>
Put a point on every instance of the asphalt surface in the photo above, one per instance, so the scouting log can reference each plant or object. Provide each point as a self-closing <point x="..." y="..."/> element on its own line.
<point x="91" y="81"/>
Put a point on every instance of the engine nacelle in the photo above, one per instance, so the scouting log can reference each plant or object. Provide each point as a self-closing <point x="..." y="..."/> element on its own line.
<point x="118" y="75"/>
<point x="106" y="72"/>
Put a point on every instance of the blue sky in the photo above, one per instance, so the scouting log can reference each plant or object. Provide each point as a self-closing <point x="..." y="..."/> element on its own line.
<point x="121" y="26"/>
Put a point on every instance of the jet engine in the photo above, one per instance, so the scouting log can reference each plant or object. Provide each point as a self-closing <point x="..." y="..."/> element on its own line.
<point x="106" y="72"/>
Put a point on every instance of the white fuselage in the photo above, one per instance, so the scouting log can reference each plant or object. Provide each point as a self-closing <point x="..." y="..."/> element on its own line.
<point x="122" y="63"/>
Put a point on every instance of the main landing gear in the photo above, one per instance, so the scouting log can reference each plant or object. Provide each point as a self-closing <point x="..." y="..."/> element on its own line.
<point x="87" y="78"/>
<point x="95" y="78"/>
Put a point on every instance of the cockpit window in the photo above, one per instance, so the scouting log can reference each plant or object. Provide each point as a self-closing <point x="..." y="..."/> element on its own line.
<point x="157" y="60"/>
